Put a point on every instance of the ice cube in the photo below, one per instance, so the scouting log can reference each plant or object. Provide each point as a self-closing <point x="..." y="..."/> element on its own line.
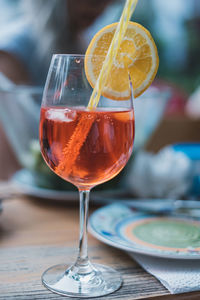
<point x="62" y="115"/>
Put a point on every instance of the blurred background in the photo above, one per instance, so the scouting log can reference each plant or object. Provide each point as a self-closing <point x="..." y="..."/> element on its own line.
<point x="167" y="116"/>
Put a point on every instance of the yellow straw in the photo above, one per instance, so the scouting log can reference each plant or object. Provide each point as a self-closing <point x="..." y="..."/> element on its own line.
<point x="112" y="52"/>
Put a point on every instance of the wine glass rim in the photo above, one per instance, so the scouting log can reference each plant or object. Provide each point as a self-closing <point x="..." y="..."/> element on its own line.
<point x="66" y="54"/>
<point x="57" y="55"/>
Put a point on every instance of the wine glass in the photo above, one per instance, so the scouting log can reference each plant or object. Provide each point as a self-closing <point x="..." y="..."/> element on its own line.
<point x="85" y="147"/>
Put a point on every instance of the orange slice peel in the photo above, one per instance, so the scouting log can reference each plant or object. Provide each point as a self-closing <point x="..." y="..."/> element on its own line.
<point x="137" y="60"/>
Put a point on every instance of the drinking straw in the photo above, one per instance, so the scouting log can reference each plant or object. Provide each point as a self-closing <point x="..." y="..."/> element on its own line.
<point x="72" y="149"/>
<point x="112" y="52"/>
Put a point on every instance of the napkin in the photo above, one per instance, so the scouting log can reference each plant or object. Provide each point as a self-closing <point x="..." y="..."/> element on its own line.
<point x="177" y="275"/>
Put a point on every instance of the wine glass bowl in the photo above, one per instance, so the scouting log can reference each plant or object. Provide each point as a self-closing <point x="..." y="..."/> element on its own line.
<point x="91" y="147"/>
<point x="85" y="147"/>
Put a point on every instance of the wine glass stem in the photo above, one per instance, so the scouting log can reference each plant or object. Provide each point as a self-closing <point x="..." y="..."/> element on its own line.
<point x="82" y="261"/>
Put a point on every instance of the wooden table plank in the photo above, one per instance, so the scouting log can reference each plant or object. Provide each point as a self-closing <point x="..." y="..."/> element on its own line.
<point x="35" y="235"/>
<point x="21" y="269"/>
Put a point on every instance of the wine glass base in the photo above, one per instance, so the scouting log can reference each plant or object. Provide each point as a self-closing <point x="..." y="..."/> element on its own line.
<point x="63" y="280"/>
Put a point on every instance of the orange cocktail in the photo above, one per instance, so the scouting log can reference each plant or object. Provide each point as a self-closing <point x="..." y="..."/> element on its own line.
<point x="87" y="131"/>
<point x="105" y="151"/>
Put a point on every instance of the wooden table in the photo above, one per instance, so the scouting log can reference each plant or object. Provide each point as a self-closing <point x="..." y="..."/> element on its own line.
<point x="36" y="234"/>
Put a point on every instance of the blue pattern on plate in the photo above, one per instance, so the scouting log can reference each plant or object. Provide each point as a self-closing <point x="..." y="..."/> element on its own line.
<point x="106" y="223"/>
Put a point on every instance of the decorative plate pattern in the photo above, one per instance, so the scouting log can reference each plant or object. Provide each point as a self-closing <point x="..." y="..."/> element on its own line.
<point x="119" y="226"/>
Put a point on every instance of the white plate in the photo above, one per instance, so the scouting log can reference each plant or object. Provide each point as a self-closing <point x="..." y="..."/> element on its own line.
<point x="113" y="225"/>
<point x="24" y="180"/>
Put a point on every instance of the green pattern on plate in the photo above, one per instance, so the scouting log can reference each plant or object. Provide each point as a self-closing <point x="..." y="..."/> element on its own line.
<point x="169" y="233"/>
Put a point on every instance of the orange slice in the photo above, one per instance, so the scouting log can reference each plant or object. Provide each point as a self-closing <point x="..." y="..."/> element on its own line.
<point x="137" y="59"/>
